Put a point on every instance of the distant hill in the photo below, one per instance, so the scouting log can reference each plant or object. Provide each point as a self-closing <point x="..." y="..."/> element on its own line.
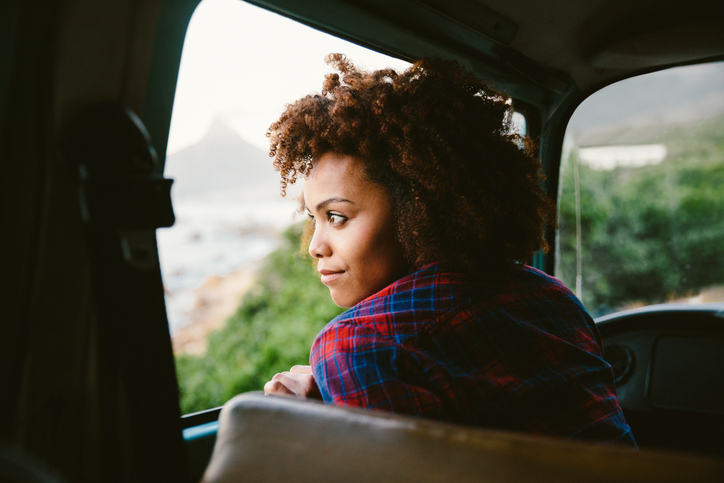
<point x="643" y="106"/>
<point x="222" y="163"/>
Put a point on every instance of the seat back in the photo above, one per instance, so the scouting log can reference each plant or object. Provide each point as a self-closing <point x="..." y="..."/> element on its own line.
<point x="267" y="438"/>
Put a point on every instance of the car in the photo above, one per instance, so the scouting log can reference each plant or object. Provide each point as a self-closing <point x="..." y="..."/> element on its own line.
<point x="89" y="386"/>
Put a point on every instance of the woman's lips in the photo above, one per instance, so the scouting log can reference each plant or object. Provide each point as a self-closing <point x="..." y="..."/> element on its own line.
<point x="329" y="276"/>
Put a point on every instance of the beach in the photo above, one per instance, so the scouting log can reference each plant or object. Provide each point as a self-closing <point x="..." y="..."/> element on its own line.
<point x="217" y="299"/>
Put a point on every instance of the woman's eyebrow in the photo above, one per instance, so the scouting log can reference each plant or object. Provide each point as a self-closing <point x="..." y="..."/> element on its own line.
<point x="321" y="205"/>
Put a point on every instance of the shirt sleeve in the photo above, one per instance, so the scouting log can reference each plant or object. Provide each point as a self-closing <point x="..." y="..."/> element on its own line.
<point x="355" y="366"/>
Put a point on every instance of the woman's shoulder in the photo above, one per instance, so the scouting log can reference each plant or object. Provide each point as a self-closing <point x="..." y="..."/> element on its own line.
<point x="432" y="293"/>
<point x="529" y="279"/>
<point x="437" y="288"/>
<point x="432" y="287"/>
<point x="532" y="275"/>
<point x="417" y="299"/>
<point x="438" y="283"/>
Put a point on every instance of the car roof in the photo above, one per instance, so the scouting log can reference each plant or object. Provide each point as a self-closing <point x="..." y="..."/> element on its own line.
<point x="557" y="46"/>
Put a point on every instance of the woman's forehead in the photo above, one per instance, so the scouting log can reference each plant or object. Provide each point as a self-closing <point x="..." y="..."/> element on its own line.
<point x="340" y="178"/>
<point x="334" y="173"/>
<point x="336" y="165"/>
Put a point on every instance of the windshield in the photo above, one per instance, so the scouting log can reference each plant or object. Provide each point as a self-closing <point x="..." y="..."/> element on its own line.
<point x="641" y="200"/>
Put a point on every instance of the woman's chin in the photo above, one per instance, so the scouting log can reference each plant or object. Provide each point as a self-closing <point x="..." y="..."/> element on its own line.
<point x="343" y="299"/>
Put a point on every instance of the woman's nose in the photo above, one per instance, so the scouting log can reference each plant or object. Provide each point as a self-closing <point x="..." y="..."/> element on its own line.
<point x="319" y="246"/>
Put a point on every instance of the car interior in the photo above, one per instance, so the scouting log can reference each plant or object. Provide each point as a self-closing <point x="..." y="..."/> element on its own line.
<point x="89" y="388"/>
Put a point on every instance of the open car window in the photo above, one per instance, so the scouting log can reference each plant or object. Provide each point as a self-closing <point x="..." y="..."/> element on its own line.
<point x="242" y="305"/>
<point x="641" y="203"/>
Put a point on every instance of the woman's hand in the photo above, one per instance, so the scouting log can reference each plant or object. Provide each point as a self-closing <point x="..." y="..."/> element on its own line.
<point x="298" y="381"/>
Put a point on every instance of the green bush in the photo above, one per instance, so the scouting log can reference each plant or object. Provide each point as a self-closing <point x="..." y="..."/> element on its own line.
<point x="651" y="233"/>
<point x="272" y="330"/>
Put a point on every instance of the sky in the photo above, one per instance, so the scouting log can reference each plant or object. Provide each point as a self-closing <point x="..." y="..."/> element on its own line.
<point x="242" y="64"/>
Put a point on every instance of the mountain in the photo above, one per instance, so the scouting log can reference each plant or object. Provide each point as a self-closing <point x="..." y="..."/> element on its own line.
<point x="645" y="106"/>
<point x="222" y="163"/>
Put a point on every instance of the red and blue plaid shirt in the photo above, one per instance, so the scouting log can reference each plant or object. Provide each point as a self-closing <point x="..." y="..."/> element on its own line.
<point x="523" y="355"/>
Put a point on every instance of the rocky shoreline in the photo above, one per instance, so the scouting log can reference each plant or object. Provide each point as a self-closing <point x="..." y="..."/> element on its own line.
<point x="216" y="300"/>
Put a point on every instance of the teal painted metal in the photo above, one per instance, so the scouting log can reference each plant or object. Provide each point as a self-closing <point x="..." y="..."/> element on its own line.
<point x="201" y="431"/>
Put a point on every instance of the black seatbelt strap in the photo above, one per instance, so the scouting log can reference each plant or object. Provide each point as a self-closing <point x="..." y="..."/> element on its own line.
<point x="123" y="199"/>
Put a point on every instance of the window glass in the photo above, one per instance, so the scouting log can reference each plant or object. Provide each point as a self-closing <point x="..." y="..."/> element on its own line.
<point x="641" y="197"/>
<point x="242" y="303"/>
<point x="518" y="124"/>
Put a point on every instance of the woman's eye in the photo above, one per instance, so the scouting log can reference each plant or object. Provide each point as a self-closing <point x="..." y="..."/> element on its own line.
<point x="311" y="218"/>
<point x="336" y="219"/>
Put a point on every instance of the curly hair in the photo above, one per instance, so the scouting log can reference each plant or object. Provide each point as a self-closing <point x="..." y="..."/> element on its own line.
<point x="466" y="191"/>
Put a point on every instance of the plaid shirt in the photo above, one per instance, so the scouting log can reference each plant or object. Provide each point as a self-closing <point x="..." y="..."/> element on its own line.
<point x="524" y="355"/>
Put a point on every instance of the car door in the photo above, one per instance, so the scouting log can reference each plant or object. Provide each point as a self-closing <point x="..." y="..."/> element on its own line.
<point x="88" y="379"/>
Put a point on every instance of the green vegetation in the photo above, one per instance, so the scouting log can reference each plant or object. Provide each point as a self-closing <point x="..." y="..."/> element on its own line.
<point x="649" y="234"/>
<point x="272" y="330"/>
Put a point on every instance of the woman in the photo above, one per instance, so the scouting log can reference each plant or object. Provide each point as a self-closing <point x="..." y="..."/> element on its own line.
<point x="424" y="208"/>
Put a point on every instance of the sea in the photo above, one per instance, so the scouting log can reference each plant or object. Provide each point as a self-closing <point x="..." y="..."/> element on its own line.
<point x="213" y="237"/>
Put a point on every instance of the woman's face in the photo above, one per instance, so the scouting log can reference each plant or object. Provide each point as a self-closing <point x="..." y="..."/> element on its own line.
<point x="354" y="235"/>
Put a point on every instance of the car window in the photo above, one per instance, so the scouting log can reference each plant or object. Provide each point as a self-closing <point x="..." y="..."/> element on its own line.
<point x="241" y="303"/>
<point x="641" y="203"/>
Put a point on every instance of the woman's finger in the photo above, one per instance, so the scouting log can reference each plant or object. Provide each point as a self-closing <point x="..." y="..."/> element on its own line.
<point x="301" y="369"/>
<point x="300" y="384"/>
<point x="284" y="383"/>
<point x="277" y="387"/>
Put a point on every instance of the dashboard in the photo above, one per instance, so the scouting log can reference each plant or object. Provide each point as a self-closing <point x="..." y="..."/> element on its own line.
<point x="668" y="363"/>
